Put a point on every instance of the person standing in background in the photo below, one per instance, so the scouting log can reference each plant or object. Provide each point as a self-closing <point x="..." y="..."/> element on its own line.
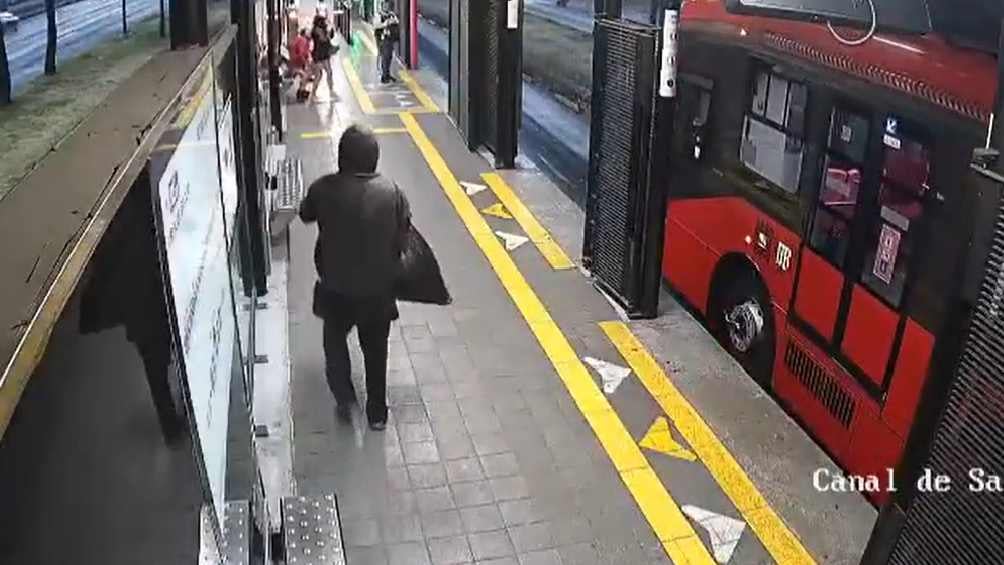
<point x="324" y="49"/>
<point x="388" y="33"/>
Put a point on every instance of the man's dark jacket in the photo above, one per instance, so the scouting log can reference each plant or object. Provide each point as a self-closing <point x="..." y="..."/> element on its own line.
<point x="362" y="218"/>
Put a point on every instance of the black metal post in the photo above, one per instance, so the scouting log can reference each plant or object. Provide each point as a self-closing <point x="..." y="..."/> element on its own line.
<point x="608" y="8"/>
<point x="510" y="87"/>
<point x="274" y="80"/>
<point x="189" y="23"/>
<point x="5" y="85"/>
<point x="163" y="20"/>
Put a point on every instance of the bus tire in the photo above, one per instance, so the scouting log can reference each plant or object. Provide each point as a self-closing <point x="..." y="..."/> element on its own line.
<point x="742" y="319"/>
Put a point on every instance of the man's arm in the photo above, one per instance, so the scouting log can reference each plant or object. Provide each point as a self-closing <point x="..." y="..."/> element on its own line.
<point x="308" y="207"/>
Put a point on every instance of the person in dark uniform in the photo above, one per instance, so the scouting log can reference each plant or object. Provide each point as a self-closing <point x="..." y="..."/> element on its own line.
<point x="362" y="219"/>
<point x="125" y="287"/>
<point x="388" y="32"/>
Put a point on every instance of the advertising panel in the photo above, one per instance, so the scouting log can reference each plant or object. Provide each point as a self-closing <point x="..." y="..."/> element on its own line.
<point x="195" y="246"/>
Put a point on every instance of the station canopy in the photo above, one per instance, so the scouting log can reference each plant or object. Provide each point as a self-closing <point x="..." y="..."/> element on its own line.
<point x="970" y="23"/>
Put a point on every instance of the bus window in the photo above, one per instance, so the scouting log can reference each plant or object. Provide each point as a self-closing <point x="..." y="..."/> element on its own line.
<point x="838" y="195"/>
<point x="906" y="173"/>
<point x="772" y="133"/>
<point x="691" y="117"/>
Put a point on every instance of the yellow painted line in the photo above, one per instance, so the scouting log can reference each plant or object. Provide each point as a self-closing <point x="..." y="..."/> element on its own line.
<point x="536" y="232"/>
<point x="662" y="512"/>
<point x="423" y="97"/>
<point x="782" y="544"/>
<point x="329" y="134"/>
<point x="357" y="87"/>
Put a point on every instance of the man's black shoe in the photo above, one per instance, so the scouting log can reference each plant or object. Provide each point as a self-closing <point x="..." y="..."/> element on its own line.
<point x="378" y="426"/>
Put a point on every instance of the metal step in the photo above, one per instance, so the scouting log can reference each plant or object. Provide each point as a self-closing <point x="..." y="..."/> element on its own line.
<point x="288" y="193"/>
<point x="311" y="531"/>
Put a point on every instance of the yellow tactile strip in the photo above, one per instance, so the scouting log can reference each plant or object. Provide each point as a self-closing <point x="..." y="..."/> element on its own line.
<point x="664" y="515"/>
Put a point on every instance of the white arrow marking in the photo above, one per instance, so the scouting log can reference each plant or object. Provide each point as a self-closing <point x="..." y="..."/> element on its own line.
<point x="611" y="375"/>
<point x="472" y="188"/>
<point x="511" y="241"/>
<point x="725" y="532"/>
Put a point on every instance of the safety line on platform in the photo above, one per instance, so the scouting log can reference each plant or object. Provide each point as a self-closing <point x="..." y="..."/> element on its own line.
<point x="782" y="544"/>
<point x="678" y="537"/>
<point x="549" y="248"/>
<point x="363" y="97"/>
<point x="331" y="134"/>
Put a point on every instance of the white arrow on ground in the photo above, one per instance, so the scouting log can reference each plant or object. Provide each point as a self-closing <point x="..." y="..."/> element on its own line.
<point x="612" y="375"/>
<point x="511" y="241"/>
<point x="725" y="532"/>
<point x="472" y="188"/>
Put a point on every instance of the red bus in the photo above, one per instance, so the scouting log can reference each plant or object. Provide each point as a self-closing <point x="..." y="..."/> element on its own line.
<point x="816" y="219"/>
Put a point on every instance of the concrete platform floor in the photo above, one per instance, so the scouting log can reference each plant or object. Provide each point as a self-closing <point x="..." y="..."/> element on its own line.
<point x="504" y="446"/>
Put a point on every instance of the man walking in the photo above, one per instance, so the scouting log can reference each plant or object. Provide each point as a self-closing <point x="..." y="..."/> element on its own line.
<point x="362" y="219"/>
<point x="388" y="32"/>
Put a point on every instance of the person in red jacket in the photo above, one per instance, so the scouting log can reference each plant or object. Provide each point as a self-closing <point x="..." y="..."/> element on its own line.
<point x="299" y="60"/>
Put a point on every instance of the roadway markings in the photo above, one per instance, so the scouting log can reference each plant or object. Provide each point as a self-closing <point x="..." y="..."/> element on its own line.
<point x="499" y="211"/>
<point x="725" y="532"/>
<point x="471" y="188"/>
<point x="611" y="375"/>
<point x="671" y="527"/>
<point x="549" y="248"/>
<point x="658" y="438"/>
<point x="512" y="241"/>
<point x="777" y="539"/>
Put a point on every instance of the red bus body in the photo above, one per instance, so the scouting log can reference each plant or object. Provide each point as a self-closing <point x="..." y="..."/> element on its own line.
<point x="853" y="343"/>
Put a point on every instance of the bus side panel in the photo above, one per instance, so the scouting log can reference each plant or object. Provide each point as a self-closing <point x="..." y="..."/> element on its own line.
<point x="871" y="329"/>
<point x="687" y="262"/>
<point x="804" y="380"/>
<point x="724" y="225"/>
<point x="818" y="296"/>
<point x="874" y="449"/>
<point x="908" y="378"/>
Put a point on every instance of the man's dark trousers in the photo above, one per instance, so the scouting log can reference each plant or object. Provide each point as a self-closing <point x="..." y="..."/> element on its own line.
<point x="372" y="317"/>
<point x="386" y="56"/>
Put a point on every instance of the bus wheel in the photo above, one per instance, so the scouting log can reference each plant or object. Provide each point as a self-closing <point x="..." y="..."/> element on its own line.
<point x="743" y="322"/>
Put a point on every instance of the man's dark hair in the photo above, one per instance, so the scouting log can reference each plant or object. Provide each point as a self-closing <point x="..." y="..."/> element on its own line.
<point x="358" y="151"/>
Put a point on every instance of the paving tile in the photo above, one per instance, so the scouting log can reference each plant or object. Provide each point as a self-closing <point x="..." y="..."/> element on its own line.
<point x="571" y="530"/>
<point x="400" y="395"/>
<point x="434" y="500"/>
<point x="436" y="392"/>
<point x="472" y="494"/>
<point x="452" y="425"/>
<point x="470" y="389"/>
<point x="412" y="553"/>
<point x="442" y="524"/>
<point x="409" y="414"/>
<point x="477" y="519"/>
<point x="509" y="488"/>
<point x="399" y="528"/>
<point x="489" y="443"/>
<point x="400" y="502"/>
<point x="427" y="475"/>
<point x="580" y="554"/>
<point x="366" y="555"/>
<point x="490" y="545"/>
<point x="532" y="537"/>
<point x="544" y="557"/>
<point x="397" y="478"/>
<point x="483" y="423"/>
<point x="361" y="533"/>
<point x="464" y="470"/>
<point x="411" y="432"/>
<point x="500" y="465"/>
<point x="520" y="512"/>
<point x="450" y="551"/>
<point x="421" y="452"/>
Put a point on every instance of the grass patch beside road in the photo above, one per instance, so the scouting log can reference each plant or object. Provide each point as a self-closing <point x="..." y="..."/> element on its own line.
<point x="51" y="107"/>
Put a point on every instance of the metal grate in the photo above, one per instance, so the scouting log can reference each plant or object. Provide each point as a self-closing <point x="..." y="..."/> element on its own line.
<point x="490" y="78"/>
<point x="820" y="384"/>
<point x="237" y="533"/>
<point x="962" y="526"/>
<point x="622" y="128"/>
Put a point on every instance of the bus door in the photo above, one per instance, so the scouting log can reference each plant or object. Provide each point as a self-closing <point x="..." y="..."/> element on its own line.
<point x="853" y="271"/>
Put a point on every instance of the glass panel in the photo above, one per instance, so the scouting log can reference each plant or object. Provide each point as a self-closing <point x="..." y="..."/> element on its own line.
<point x="777" y="101"/>
<point x="909" y="166"/>
<point x="797" y="101"/>
<point x="831" y="236"/>
<point x="841" y="184"/>
<point x="849" y="135"/>
<point x="772" y="154"/>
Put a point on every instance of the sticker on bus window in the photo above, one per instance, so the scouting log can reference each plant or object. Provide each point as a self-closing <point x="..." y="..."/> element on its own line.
<point x="885" y="255"/>
<point x="893" y="142"/>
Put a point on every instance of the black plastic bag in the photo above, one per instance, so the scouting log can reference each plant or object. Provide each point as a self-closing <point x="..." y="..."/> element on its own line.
<point x="420" y="279"/>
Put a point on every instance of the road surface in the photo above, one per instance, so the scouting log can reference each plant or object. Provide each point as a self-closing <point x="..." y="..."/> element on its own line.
<point x="554" y="137"/>
<point x="81" y="27"/>
<point x="578" y="16"/>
